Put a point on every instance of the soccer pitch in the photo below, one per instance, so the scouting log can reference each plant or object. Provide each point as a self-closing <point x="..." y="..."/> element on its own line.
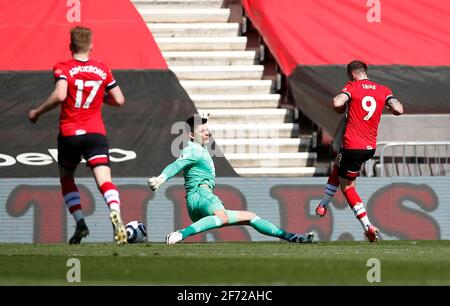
<point x="238" y="263"/>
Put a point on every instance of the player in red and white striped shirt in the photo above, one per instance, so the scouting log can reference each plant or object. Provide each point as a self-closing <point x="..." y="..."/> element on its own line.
<point x="365" y="102"/>
<point x="80" y="86"/>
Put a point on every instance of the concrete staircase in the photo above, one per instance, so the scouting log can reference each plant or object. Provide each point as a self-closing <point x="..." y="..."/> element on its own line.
<point x="224" y="80"/>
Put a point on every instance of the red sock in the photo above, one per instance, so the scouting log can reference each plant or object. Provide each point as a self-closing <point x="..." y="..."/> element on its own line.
<point x="333" y="179"/>
<point x="70" y="193"/>
<point x="355" y="202"/>
<point x="110" y="195"/>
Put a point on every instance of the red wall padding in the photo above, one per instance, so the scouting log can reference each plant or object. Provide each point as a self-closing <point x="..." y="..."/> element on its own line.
<point x="34" y="35"/>
<point x="324" y="32"/>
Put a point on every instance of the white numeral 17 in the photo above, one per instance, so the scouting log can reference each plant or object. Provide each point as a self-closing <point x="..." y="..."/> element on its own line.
<point x="80" y="85"/>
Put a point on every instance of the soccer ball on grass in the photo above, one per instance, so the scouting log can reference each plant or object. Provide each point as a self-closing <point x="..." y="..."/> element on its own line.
<point x="136" y="232"/>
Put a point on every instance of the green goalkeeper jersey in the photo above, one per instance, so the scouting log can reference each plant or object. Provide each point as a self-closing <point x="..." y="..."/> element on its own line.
<point x="197" y="164"/>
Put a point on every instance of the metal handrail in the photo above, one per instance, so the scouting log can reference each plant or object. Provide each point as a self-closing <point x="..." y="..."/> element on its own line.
<point x="426" y="144"/>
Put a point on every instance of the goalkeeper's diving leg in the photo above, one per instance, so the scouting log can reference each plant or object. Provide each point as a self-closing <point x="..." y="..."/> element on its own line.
<point x="223" y="217"/>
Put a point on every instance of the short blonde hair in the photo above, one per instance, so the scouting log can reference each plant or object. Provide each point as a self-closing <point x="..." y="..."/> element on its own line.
<point x="80" y="39"/>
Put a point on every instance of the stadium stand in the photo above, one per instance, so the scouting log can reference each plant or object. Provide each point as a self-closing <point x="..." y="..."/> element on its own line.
<point x="140" y="133"/>
<point x="313" y="56"/>
<point x="204" y="45"/>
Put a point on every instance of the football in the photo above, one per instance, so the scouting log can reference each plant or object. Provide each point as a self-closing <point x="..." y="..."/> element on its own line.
<point x="136" y="232"/>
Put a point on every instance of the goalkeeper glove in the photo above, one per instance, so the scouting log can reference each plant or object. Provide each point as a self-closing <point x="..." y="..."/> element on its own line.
<point x="156" y="181"/>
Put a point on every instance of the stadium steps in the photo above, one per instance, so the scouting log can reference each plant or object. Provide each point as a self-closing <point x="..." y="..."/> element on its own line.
<point x="201" y="43"/>
<point x="212" y="58"/>
<point x="194" y="15"/>
<point x="255" y="130"/>
<point x="220" y="87"/>
<point x="209" y="57"/>
<point x="282" y="171"/>
<point x="263" y="145"/>
<point x="236" y="101"/>
<point x="253" y="72"/>
<point x="271" y="160"/>
<point x="194" y="29"/>
<point x="176" y="4"/>
<point x="236" y="116"/>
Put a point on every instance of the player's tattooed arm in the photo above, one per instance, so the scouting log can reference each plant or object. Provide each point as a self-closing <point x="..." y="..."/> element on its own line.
<point x="394" y="106"/>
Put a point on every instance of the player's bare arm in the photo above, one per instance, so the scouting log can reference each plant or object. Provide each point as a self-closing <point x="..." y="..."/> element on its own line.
<point x="339" y="102"/>
<point x="115" y="97"/>
<point x="394" y="106"/>
<point x="58" y="95"/>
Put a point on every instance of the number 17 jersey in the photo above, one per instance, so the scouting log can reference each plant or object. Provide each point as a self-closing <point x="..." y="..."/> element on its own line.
<point x="81" y="112"/>
<point x="367" y="100"/>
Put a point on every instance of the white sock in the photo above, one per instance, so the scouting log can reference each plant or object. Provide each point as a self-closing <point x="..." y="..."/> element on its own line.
<point x="359" y="210"/>
<point x="77" y="215"/>
<point x="365" y="222"/>
<point x="328" y="194"/>
<point x="114" y="206"/>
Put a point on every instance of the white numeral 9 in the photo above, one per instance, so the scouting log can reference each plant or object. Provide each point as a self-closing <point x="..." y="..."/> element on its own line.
<point x="369" y="105"/>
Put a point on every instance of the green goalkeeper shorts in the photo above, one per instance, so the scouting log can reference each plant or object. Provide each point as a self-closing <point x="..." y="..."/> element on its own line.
<point x="202" y="203"/>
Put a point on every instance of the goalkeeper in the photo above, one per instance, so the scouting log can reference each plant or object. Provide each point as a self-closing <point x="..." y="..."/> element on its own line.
<point x="205" y="209"/>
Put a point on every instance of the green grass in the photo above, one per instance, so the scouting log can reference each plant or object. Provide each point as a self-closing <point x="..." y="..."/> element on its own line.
<point x="239" y="263"/>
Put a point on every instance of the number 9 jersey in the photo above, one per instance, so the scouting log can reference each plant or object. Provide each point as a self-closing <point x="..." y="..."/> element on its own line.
<point x="81" y="112"/>
<point x="367" y="100"/>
